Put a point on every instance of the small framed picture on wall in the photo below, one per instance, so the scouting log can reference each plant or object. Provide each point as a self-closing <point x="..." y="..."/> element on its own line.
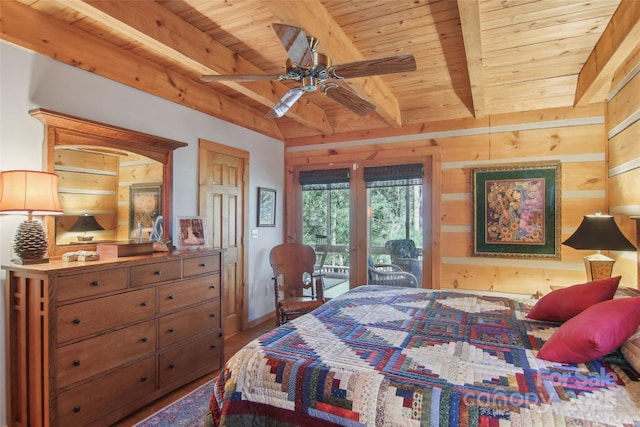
<point x="266" y="207"/>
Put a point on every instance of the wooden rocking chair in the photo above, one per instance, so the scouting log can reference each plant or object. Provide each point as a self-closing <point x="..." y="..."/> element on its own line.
<point x="297" y="290"/>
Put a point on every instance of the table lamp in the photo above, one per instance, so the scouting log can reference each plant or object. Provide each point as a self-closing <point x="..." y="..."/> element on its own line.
<point x="35" y="193"/>
<point x="84" y="224"/>
<point x="599" y="232"/>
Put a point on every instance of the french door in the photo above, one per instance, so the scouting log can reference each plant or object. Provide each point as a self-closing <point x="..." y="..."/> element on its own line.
<point x="373" y="204"/>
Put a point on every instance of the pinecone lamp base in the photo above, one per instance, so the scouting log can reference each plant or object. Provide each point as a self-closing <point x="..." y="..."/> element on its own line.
<point x="30" y="243"/>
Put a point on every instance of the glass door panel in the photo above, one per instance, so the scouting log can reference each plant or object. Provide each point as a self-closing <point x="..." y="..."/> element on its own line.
<point x="394" y="224"/>
<point x="325" y="226"/>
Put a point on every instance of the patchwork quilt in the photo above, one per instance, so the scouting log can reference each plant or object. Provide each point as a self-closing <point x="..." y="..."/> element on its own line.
<point x="384" y="356"/>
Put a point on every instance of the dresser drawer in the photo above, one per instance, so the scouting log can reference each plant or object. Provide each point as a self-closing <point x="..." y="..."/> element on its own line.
<point x="156" y="272"/>
<point x="187" y="292"/>
<point x="88" y="317"/>
<point x="201" y="355"/>
<point x="201" y="265"/>
<point x="95" y="355"/>
<point x="91" y="283"/>
<point x="184" y="324"/>
<point x="88" y="402"/>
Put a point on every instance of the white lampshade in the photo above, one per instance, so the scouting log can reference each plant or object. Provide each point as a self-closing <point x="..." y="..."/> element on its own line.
<point x="34" y="193"/>
<point x="29" y="191"/>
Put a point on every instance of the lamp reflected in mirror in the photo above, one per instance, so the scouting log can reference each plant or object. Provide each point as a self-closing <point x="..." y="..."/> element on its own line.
<point x="599" y="232"/>
<point x="84" y="225"/>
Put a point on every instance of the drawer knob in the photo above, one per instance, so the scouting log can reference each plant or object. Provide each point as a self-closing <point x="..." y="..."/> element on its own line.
<point x="212" y="315"/>
<point x="171" y="366"/>
<point x="213" y="346"/>
<point x="171" y="330"/>
<point x="220" y="334"/>
<point x="157" y="273"/>
<point x="76" y="409"/>
<point x="212" y="286"/>
<point x="76" y="363"/>
<point x="95" y="283"/>
<point x="203" y="265"/>
<point x="144" y="304"/>
<point x="144" y="339"/>
<point x="76" y="321"/>
<point x="143" y="378"/>
<point x="170" y="297"/>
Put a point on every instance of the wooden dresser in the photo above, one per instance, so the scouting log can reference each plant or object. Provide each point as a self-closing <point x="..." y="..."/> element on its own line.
<point x="90" y="342"/>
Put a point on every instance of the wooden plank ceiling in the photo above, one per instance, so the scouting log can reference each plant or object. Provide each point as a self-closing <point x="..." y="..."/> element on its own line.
<point x="474" y="57"/>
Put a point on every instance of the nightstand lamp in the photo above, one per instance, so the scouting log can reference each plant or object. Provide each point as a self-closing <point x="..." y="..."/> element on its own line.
<point x="599" y="232"/>
<point x="34" y="193"/>
<point x="84" y="224"/>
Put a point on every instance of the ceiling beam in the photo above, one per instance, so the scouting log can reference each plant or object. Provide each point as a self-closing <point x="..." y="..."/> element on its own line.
<point x="170" y="36"/>
<point x="469" y="11"/>
<point x="312" y="16"/>
<point x="618" y="40"/>
<point x="75" y="47"/>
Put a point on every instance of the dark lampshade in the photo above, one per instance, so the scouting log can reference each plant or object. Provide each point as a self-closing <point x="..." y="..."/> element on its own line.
<point x="599" y="232"/>
<point x="86" y="222"/>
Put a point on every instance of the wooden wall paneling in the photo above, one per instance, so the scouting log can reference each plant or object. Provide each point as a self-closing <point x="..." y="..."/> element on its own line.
<point x="464" y="148"/>
<point x="456" y="212"/>
<point x="584" y="176"/>
<point x="625" y="146"/>
<point x="90" y="180"/>
<point x="624" y="103"/>
<point x="556" y="141"/>
<point x="511" y="276"/>
<point x="550" y="114"/>
<point x="624" y="153"/>
<point x="456" y="180"/>
<point x="458" y="244"/>
<point x="624" y="189"/>
<point x="84" y="159"/>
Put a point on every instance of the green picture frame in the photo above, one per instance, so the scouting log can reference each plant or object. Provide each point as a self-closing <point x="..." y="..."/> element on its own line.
<point x="516" y="210"/>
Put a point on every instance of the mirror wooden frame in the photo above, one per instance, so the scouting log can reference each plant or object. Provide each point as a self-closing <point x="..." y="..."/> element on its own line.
<point x="64" y="130"/>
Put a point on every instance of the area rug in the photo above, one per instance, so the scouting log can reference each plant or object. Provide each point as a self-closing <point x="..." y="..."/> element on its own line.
<point x="189" y="410"/>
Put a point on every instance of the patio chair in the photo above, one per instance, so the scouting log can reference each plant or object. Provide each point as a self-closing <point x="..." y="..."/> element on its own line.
<point x="322" y="248"/>
<point x="297" y="290"/>
<point x="390" y="275"/>
<point x="404" y="254"/>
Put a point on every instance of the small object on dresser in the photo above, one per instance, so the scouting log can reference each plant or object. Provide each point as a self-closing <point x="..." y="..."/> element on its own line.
<point x="81" y="256"/>
<point x="124" y="249"/>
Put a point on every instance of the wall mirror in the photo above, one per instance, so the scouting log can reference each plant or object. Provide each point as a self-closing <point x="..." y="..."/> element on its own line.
<point x="113" y="183"/>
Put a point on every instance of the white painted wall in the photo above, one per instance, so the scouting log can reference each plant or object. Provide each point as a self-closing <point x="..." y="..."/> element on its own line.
<point x="29" y="80"/>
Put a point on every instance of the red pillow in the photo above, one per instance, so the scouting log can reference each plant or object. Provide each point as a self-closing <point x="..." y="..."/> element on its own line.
<point x="593" y="333"/>
<point x="563" y="304"/>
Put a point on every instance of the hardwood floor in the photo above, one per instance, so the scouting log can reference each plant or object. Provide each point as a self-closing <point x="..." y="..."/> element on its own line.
<point x="231" y="346"/>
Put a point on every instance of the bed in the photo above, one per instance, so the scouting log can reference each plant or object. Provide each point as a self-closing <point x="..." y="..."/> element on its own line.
<point x="381" y="355"/>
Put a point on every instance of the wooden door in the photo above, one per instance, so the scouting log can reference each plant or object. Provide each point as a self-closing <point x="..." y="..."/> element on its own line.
<point x="222" y="193"/>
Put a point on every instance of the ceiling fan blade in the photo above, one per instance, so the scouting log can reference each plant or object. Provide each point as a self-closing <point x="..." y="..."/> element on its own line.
<point x="287" y="101"/>
<point x="373" y="67"/>
<point x="296" y="44"/>
<point x="238" y="77"/>
<point x="348" y="98"/>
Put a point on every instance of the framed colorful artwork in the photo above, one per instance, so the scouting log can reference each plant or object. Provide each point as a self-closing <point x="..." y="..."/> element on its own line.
<point x="516" y="210"/>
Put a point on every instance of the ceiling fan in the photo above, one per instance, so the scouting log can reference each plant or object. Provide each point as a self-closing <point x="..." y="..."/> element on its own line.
<point x="313" y="70"/>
